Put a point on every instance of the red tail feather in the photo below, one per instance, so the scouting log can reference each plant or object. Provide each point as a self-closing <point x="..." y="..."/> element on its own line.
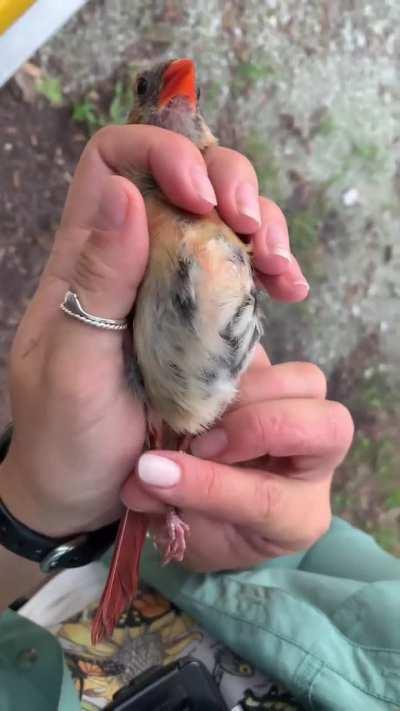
<point x="123" y="576"/>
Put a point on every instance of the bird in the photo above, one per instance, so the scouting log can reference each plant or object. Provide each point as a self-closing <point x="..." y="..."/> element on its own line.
<point x="195" y="322"/>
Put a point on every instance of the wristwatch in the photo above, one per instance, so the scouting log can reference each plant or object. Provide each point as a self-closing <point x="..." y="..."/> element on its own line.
<point x="52" y="554"/>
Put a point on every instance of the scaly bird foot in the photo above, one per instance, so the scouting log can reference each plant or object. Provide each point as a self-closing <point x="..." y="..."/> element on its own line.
<point x="172" y="537"/>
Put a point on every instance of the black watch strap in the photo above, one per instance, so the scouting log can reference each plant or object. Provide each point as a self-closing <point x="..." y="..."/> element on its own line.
<point x="52" y="553"/>
<point x="5" y="441"/>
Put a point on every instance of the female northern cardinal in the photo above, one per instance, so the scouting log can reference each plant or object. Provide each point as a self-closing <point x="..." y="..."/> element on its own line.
<point x="195" y="321"/>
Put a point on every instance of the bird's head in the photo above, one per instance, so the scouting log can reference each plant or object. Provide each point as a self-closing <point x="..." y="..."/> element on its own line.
<point x="166" y="95"/>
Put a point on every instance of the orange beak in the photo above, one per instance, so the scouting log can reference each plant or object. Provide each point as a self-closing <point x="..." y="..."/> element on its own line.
<point x="179" y="80"/>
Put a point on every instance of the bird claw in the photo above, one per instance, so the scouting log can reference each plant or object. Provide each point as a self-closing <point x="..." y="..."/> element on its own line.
<point x="173" y="538"/>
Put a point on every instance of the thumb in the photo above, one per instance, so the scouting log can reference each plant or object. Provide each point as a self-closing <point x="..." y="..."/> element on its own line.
<point x="112" y="261"/>
<point x="104" y="265"/>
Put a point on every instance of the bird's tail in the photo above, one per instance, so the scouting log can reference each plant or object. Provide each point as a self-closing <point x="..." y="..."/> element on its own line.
<point x="123" y="576"/>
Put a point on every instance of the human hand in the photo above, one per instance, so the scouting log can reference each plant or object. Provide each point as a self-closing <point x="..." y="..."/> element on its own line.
<point x="78" y="429"/>
<point x="262" y="485"/>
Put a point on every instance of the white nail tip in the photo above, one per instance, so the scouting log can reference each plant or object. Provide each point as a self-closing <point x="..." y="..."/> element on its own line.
<point x="158" y="471"/>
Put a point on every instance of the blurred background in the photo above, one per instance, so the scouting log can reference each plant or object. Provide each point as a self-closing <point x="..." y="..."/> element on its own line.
<point x="309" y="90"/>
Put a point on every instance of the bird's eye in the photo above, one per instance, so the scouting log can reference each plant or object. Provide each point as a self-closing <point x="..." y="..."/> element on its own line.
<point x="141" y="86"/>
<point x="198" y="94"/>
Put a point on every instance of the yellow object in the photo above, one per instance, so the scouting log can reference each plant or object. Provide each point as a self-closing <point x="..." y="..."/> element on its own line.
<point x="11" y="10"/>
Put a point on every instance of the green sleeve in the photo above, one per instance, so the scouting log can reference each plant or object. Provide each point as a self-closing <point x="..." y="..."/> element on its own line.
<point x="33" y="674"/>
<point x="347" y="552"/>
<point x="326" y="624"/>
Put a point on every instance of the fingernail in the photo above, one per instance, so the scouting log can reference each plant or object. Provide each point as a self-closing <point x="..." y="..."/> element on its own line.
<point x="202" y="185"/>
<point x="158" y="471"/>
<point x="210" y="444"/>
<point x="302" y="282"/>
<point x="247" y="201"/>
<point x="113" y="206"/>
<point x="281" y="252"/>
<point x="276" y="240"/>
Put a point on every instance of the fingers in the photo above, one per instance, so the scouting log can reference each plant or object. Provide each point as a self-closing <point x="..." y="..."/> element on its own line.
<point x="105" y="274"/>
<point x="286" y="380"/>
<point x="317" y="433"/>
<point x="277" y="268"/>
<point x="186" y="183"/>
<point x="289" y="287"/>
<point x="260" y="358"/>
<point x="271" y="248"/>
<point x="236" y="186"/>
<point x="174" y="161"/>
<point x="272" y="505"/>
<point x="108" y="268"/>
<point x="111" y="264"/>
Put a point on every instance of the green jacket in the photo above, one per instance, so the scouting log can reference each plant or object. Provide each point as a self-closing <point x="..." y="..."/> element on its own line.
<point x="325" y="623"/>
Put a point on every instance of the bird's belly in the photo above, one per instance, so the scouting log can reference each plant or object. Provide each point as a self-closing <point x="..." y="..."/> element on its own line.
<point x="195" y="327"/>
<point x="190" y="386"/>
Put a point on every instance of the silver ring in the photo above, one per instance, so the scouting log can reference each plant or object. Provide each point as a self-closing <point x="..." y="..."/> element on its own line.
<point x="73" y="307"/>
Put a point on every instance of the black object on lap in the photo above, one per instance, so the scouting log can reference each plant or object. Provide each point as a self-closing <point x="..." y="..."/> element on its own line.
<point x="185" y="685"/>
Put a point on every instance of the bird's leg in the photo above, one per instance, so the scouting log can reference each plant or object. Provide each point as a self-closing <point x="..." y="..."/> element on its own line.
<point x="184" y="443"/>
<point x="155" y="430"/>
<point x="176" y="537"/>
<point x="171" y="536"/>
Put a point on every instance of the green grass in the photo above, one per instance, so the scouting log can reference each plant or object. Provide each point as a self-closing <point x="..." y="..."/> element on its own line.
<point x="378" y="454"/>
<point x="50" y="88"/>
<point x="265" y="164"/>
<point x="393" y="500"/>
<point x="303" y="227"/>
<point x="373" y="465"/>
<point x="252" y="72"/>
<point x="326" y="126"/>
<point x="304" y="224"/>
<point x="304" y="230"/>
<point x="246" y="74"/>
<point x="121" y="103"/>
<point x="366" y="152"/>
<point x="365" y="157"/>
<point x="209" y="96"/>
<point x="88" y="113"/>
<point x="374" y="395"/>
<point x="388" y="538"/>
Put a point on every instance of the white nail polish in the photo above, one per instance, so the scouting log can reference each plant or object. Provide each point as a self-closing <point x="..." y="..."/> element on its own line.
<point x="158" y="471"/>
